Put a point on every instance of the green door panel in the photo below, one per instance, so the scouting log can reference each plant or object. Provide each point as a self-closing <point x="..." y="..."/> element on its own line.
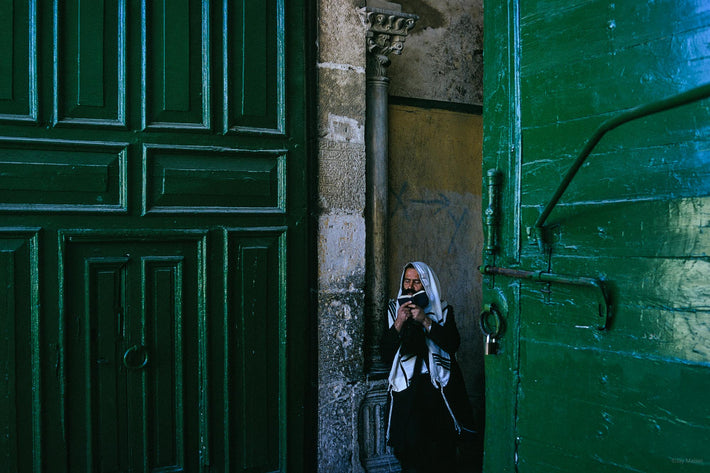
<point x="227" y="181"/>
<point x="153" y="239"/>
<point x="254" y="51"/>
<point x="254" y="339"/>
<point x="18" y="61"/>
<point x="562" y="395"/>
<point x="176" y="76"/>
<point x="63" y="176"/>
<point x="90" y="63"/>
<point x="19" y="356"/>
<point x="134" y="329"/>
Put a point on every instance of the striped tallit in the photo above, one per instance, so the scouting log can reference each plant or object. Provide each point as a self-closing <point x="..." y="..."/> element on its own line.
<point x="438" y="364"/>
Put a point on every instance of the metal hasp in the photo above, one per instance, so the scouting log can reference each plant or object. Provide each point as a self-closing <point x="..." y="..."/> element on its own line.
<point x="605" y="311"/>
<point x="684" y="98"/>
<point x="491" y="213"/>
<point x="491" y="246"/>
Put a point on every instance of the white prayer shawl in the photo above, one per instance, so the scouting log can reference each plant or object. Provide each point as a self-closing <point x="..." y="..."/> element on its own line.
<point x="439" y="361"/>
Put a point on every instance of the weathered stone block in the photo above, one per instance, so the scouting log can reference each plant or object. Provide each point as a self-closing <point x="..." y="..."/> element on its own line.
<point x="338" y="447"/>
<point x="341" y="33"/>
<point x="342" y="101"/>
<point x="341" y="252"/>
<point x="341" y="333"/>
<point x="341" y="181"/>
<point x="335" y="427"/>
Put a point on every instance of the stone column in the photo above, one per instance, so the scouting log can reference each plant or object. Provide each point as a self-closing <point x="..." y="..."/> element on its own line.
<point x="387" y="30"/>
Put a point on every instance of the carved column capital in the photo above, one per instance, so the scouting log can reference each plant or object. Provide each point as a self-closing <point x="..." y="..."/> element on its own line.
<point x="386" y="33"/>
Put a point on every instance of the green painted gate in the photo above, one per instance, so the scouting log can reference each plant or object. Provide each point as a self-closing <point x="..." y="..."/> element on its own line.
<point x="152" y="236"/>
<point x="632" y="229"/>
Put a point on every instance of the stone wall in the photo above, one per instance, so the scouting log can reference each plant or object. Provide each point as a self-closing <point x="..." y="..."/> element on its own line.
<point x="443" y="56"/>
<point x="341" y="231"/>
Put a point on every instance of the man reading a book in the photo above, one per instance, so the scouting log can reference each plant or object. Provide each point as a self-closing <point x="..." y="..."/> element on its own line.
<point x="428" y="403"/>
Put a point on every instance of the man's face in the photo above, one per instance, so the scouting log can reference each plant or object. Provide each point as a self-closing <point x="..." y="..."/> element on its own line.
<point x="411" y="282"/>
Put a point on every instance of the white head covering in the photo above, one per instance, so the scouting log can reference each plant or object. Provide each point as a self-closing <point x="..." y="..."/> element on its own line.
<point x="439" y="362"/>
<point x="431" y="286"/>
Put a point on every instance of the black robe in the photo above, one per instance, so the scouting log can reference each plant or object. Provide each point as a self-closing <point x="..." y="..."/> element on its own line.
<point x="421" y="429"/>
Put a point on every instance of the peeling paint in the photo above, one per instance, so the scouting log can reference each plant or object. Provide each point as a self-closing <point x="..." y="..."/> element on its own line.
<point x="345" y="129"/>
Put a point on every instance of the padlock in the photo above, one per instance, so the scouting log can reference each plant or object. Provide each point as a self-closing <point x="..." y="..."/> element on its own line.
<point x="491" y="346"/>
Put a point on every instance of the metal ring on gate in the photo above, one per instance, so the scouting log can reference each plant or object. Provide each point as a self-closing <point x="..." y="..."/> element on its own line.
<point x="136" y="366"/>
<point x="488" y="329"/>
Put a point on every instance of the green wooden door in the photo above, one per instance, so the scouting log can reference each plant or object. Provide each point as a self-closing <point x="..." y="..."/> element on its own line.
<point x="562" y="395"/>
<point x="152" y="236"/>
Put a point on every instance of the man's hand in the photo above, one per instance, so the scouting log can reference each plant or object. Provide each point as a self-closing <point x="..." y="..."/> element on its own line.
<point x="419" y="315"/>
<point x="403" y="313"/>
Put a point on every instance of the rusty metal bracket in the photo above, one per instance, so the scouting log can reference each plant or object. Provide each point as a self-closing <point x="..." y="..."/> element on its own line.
<point x="692" y="95"/>
<point x="605" y="307"/>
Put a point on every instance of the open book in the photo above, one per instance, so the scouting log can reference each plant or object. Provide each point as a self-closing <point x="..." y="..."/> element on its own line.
<point x="419" y="298"/>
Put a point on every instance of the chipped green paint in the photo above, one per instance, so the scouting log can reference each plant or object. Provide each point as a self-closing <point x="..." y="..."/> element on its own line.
<point x="563" y="396"/>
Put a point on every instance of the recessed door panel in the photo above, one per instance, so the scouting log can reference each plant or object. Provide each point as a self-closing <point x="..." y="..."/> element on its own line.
<point x="177" y="53"/>
<point x="19" y="352"/>
<point x="169" y="332"/>
<point x="133" y="320"/>
<point x="256" y="322"/>
<point x="226" y="181"/>
<point x="253" y="53"/>
<point x="62" y="176"/>
<point x="18" y="61"/>
<point x="90" y="62"/>
<point x="96" y="413"/>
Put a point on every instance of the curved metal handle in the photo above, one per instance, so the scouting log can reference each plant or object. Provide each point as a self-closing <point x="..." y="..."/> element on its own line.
<point x="134" y="349"/>
<point x="689" y="96"/>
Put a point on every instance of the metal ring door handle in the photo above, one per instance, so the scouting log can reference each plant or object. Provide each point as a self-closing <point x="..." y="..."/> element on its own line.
<point x="495" y="329"/>
<point x="127" y="362"/>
